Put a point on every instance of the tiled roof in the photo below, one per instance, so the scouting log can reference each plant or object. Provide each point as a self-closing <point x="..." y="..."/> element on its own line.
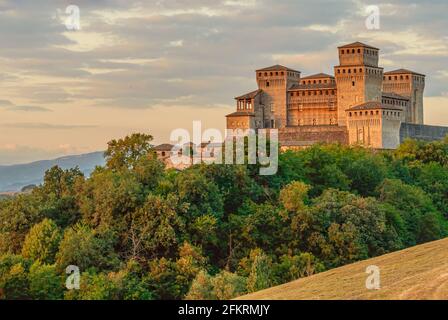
<point x="394" y="96"/>
<point x="241" y="113"/>
<point x="370" y="105"/>
<point x="250" y="95"/>
<point x="356" y="45"/>
<point x="164" y="147"/>
<point x="403" y="71"/>
<point x="313" y="86"/>
<point x="276" y="68"/>
<point x="317" y="76"/>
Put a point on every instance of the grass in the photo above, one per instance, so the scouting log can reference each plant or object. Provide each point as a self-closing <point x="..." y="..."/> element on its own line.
<point x="420" y="272"/>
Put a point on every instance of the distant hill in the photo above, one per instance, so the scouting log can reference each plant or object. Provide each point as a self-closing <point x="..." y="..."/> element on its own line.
<point x="15" y="177"/>
<point x="420" y="272"/>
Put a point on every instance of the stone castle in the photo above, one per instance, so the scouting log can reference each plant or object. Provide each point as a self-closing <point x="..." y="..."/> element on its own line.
<point x="360" y="104"/>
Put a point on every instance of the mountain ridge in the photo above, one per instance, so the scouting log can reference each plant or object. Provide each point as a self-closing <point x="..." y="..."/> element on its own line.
<point x="14" y="177"/>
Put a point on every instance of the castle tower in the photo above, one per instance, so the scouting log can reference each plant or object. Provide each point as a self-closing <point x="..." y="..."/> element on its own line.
<point x="275" y="82"/>
<point x="358" y="77"/>
<point x="409" y="84"/>
<point x="375" y="125"/>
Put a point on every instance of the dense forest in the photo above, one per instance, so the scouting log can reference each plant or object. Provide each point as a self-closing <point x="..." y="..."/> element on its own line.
<point x="138" y="231"/>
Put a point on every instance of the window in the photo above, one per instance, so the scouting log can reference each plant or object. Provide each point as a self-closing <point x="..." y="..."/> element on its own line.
<point x="359" y="50"/>
<point x="353" y="83"/>
<point x="272" y="123"/>
<point x="163" y="153"/>
<point x="267" y="83"/>
<point x="271" y="106"/>
<point x="342" y="51"/>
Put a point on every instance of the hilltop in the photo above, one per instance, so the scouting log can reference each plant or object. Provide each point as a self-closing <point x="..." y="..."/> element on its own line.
<point x="420" y="272"/>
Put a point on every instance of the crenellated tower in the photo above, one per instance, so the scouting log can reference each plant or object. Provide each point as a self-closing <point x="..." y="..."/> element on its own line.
<point x="275" y="82"/>
<point x="358" y="77"/>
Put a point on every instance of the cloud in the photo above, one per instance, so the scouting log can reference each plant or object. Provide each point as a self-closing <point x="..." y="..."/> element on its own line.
<point x="30" y="109"/>
<point x="4" y="103"/>
<point x="47" y="126"/>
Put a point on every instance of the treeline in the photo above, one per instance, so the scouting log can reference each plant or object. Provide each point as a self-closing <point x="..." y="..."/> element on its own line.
<point x="138" y="231"/>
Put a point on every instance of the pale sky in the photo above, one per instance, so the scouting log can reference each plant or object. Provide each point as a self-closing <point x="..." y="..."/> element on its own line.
<point x="154" y="66"/>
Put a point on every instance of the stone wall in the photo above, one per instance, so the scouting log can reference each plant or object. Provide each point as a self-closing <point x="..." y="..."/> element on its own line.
<point x="422" y="132"/>
<point x="313" y="134"/>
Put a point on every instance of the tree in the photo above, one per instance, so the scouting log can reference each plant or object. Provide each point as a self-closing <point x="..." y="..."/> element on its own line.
<point x="201" y="288"/>
<point x="14" y="282"/>
<point x="413" y="205"/>
<point x="45" y="283"/>
<point x="223" y="286"/>
<point x="154" y="229"/>
<point x="201" y="194"/>
<point x="294" y="196"/>
<point x="190" y="263"/>
<point x="85" y="248"/>
<point x="126" y="153"/>
<point x="108" y="197"/>
<point x="227" y="285"/>
<point x="366" y="173"/>
<point x="17" y="216"/>
<point x="260" y="276"/>
<point x="294" y="267"/>
<point x="41" y="243"/>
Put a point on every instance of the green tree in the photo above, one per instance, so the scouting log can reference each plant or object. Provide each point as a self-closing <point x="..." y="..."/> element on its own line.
<point x="260" y="276"/>
<point x="126" y="153"/>
<point x="85" y="248"/>
<point x="45" y="283"/>
<point x="42" y="242"/>
<point x="154" y="229"/>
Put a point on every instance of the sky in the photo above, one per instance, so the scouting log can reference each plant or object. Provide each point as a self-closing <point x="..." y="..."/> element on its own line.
<point x="154" y="66"/>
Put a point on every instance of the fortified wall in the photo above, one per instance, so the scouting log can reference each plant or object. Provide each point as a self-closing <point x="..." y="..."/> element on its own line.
<point x="422" y="132"/>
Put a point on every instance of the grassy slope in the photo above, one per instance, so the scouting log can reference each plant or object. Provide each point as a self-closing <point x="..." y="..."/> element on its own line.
<point x="420" y="272"/>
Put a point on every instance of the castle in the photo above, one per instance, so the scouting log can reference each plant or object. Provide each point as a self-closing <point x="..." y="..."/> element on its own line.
<point x="360" y="104"/>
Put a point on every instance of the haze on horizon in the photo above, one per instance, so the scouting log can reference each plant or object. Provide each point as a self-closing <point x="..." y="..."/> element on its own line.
<point x="153" y="66"/>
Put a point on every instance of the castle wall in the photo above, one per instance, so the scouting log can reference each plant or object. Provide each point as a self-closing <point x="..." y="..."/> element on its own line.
<point x="313" y="134"/>
<point x="422" y="132"/>
<point x="307" y="107"/>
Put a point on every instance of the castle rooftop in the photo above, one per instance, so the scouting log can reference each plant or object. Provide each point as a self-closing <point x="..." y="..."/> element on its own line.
<point x="277" y="67"/>
<point x="317" y="76"/>
<point x="403" y="71"/>
<point x="371" y="105"/>
<point x="250" y="95"/>
<point x="357" y="45"/>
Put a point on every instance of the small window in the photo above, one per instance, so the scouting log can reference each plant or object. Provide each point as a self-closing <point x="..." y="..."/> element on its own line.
<point x="353" y="83"/>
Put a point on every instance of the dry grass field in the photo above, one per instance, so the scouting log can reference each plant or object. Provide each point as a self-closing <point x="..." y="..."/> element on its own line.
<point x="420" y="272"/>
